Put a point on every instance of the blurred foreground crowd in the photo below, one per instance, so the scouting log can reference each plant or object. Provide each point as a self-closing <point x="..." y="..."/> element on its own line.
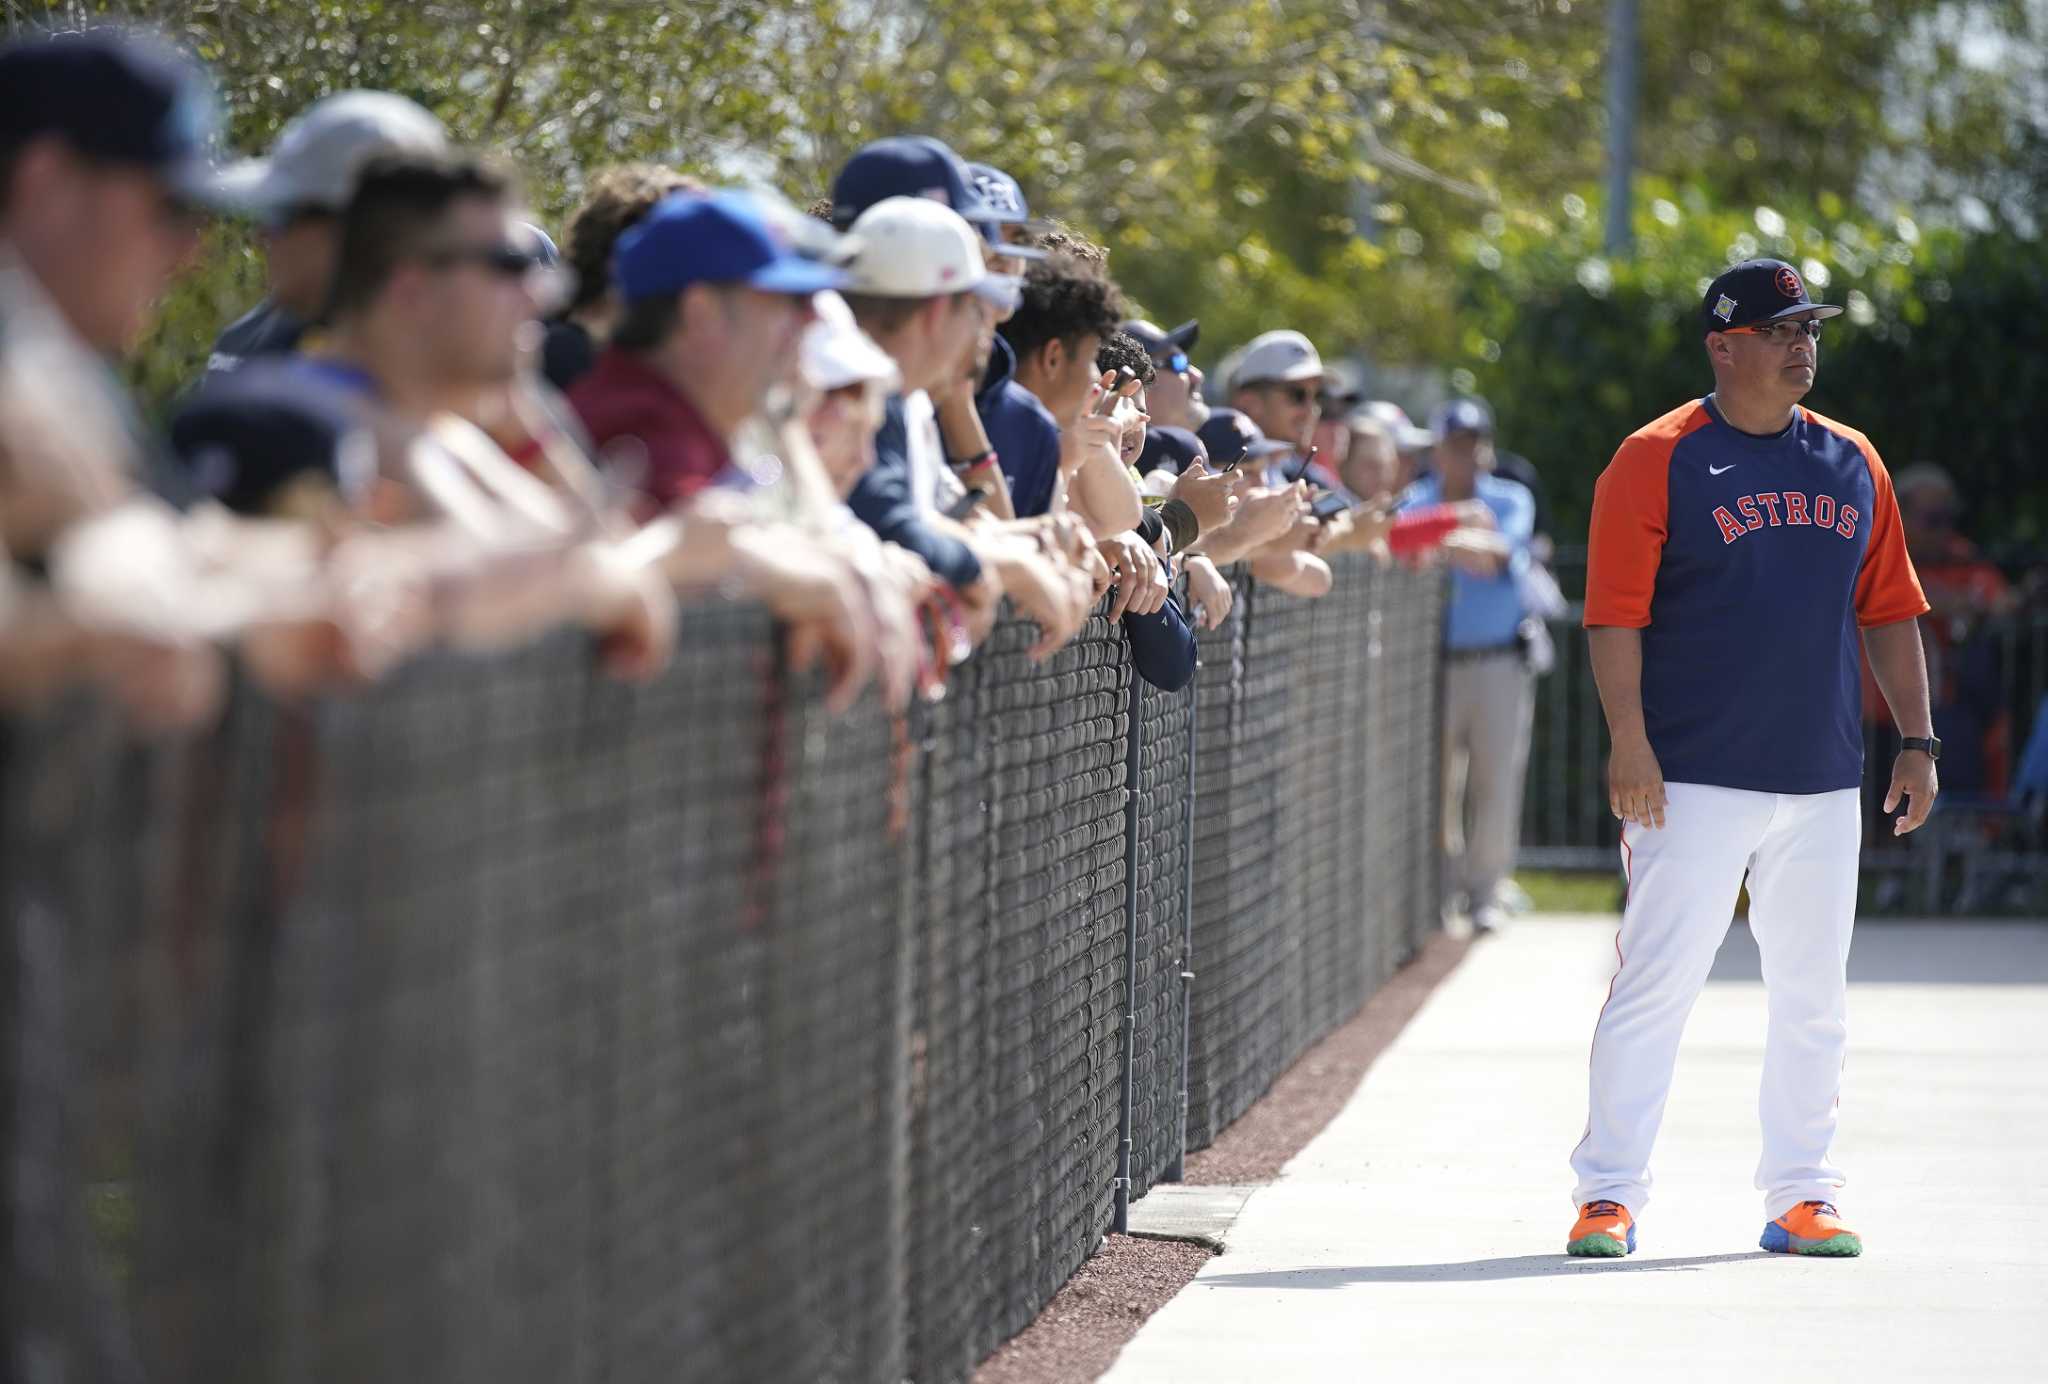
<point x="881" y="416"/>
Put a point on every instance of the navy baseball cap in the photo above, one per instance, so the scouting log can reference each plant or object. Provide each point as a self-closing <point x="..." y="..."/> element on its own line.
<point x="121" y="98"/>
<point x="907" y="166"/>
<point x="1758" y="290"/>
<point x="1005" y="199"/>
<point x="720" y="239"/>
<point x="1174" y="449"/>
<point x="1159" y="343"/>
<point x="1231" y="436"/>
<point x="249" y="433"/>
<point x="1461" y="416"/>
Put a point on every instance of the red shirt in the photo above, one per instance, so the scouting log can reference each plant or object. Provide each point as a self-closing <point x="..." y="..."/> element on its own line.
<point x="639" y="420"/>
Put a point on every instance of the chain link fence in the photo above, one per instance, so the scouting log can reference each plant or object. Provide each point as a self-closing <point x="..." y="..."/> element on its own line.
<point x="505" y="1023"/>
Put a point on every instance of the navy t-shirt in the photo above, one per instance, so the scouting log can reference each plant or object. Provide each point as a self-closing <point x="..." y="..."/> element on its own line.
<point x="1749" y="564"/>
<point x="1022" y="430"/>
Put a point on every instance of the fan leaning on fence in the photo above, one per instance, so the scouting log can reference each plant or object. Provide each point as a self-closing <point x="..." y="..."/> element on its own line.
<point x="1738" y="543"/>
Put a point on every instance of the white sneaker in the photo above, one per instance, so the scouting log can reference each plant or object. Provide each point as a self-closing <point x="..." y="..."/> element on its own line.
<point x="1488" y="920"/>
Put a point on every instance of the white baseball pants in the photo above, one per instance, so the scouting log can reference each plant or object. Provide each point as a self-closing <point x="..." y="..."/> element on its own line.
<point x="1800" y="851"/>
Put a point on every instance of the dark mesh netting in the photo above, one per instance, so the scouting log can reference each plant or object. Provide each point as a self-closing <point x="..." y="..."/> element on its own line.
<point x="1161" y="870"/>
<point x="1055" y="745"/>
<point x="507" y="1023"/>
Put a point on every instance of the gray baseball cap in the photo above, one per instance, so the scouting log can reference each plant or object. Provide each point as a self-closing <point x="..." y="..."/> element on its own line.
<point x="1283" y="356"/>
<point x="318" y="157"/>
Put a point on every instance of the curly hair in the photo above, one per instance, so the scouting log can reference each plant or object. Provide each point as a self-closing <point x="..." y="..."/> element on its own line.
<point x="616" y="200"/>
<point x="1120" y="350"/>
<point x="1065" y="299"/>
<point x="1063" y="239"/>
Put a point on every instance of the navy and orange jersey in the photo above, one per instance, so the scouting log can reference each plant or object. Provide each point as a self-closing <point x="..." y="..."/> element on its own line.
<point x="1749" y="563"/>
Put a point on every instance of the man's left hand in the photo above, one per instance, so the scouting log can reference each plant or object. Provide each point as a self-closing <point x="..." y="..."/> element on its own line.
<point x="1914" y="780"/>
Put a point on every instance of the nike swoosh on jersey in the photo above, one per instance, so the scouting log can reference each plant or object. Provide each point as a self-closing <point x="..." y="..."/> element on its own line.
<point x="1717" y="470"/>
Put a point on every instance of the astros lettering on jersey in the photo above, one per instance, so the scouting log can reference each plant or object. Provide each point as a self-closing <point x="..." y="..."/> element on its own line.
<point x="1742" y="559"/>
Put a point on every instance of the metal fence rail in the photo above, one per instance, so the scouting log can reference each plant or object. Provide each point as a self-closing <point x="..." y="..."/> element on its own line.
<point x="508" y="1024"/>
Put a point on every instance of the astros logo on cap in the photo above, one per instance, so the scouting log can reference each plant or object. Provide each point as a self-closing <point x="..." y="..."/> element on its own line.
<point x="1789" y="285"/>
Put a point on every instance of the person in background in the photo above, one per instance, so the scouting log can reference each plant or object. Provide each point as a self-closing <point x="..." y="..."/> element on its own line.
<point x="993" y="205"/>
<point x="1044" y="423"/>
<point x="1272" y="528"/>
<point x="1175" y="398"/>
<point x="921" y="288"/>
<point x="617" y="200"/>
<point x="1509" y="466"/>
<point x="300" y="191"/>
<point x="712" y="312"/>
<point x="1412" y="444"/>
<point x="1342" y="394"/>
<point x="1489" y="696"/>
<point x="1968" y="597"/>
<point x="1276" y="384"/>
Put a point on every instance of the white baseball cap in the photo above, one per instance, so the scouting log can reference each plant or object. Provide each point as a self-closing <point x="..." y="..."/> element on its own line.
<point x="914" y="247"/>
<point x="836" y="352"/>
<point x="318" y="158"/>
<point x="1277" y="356"/>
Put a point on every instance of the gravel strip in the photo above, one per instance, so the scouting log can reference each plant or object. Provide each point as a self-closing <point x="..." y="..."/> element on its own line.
<point x="1311" y="1092"/>
<point x="1078" y="1335"/>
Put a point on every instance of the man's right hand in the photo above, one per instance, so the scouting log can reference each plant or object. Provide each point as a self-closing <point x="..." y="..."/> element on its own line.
<point x="1211" y="495"/>
<point x="1092" y="437"/>
<point x="1267" y="513"/>
<point x="1635" y="783"/>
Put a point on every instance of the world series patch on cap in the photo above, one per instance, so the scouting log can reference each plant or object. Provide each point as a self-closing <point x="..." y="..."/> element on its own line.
<point x="1758" y="290"/>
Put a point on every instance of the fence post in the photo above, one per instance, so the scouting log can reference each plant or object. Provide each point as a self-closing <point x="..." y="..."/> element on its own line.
<point x="1133" y="753"/>
<point x="1177" y="1170"/>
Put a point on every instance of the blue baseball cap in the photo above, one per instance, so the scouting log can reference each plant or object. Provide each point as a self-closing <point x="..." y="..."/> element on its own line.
<point x="907" y="166"/>
<point x="1461" y="416"/>
<point x="1175" y="449"/>
<point x="121" y="98"/>
<point x="689" y="238"/>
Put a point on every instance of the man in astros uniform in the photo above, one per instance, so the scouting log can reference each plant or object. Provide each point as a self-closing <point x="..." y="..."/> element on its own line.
<point x="1738" y="545"/>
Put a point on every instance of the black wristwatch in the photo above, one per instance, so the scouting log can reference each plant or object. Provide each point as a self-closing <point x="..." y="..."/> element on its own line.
<point x="1930" y="745"/>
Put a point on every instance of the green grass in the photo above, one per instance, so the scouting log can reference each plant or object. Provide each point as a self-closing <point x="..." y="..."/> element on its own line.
<point x="1563" y="891"/>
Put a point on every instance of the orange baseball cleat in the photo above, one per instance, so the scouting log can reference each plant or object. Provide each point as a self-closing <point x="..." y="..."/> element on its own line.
<point x="1604" y="1230"/>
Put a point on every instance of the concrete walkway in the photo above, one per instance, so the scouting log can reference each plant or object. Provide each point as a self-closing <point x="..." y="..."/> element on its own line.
<point x="1420" y="1237"/>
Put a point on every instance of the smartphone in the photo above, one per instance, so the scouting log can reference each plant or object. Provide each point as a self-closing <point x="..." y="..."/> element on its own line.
<point x="965" y="505"/>
<point x="1328" y="505"/>
<point x="1115" y="391"/>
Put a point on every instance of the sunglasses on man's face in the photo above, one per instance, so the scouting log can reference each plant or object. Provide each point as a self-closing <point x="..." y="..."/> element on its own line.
<point x="505" y="260"/>
<point x="1295" y="393"/>
<point x="1175" y="363"/>
<point x="1781" y="333"/>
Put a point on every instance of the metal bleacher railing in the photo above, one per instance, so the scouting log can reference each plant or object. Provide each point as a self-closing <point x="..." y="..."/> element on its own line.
<point x="505" y="1023"/>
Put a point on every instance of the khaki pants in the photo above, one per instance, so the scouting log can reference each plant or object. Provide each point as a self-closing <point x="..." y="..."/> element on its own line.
<point x="1489" y="702"/>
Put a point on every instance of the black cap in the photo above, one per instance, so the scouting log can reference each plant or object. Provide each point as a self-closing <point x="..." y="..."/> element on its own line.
<point x="118" y="97"/>
<point x="1157" y="341"/>
<point x="247" y="434"/>
<point x="1173" y="449"/>
<point x="1758" y="290"/>
<point x="1231" y="436"/>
